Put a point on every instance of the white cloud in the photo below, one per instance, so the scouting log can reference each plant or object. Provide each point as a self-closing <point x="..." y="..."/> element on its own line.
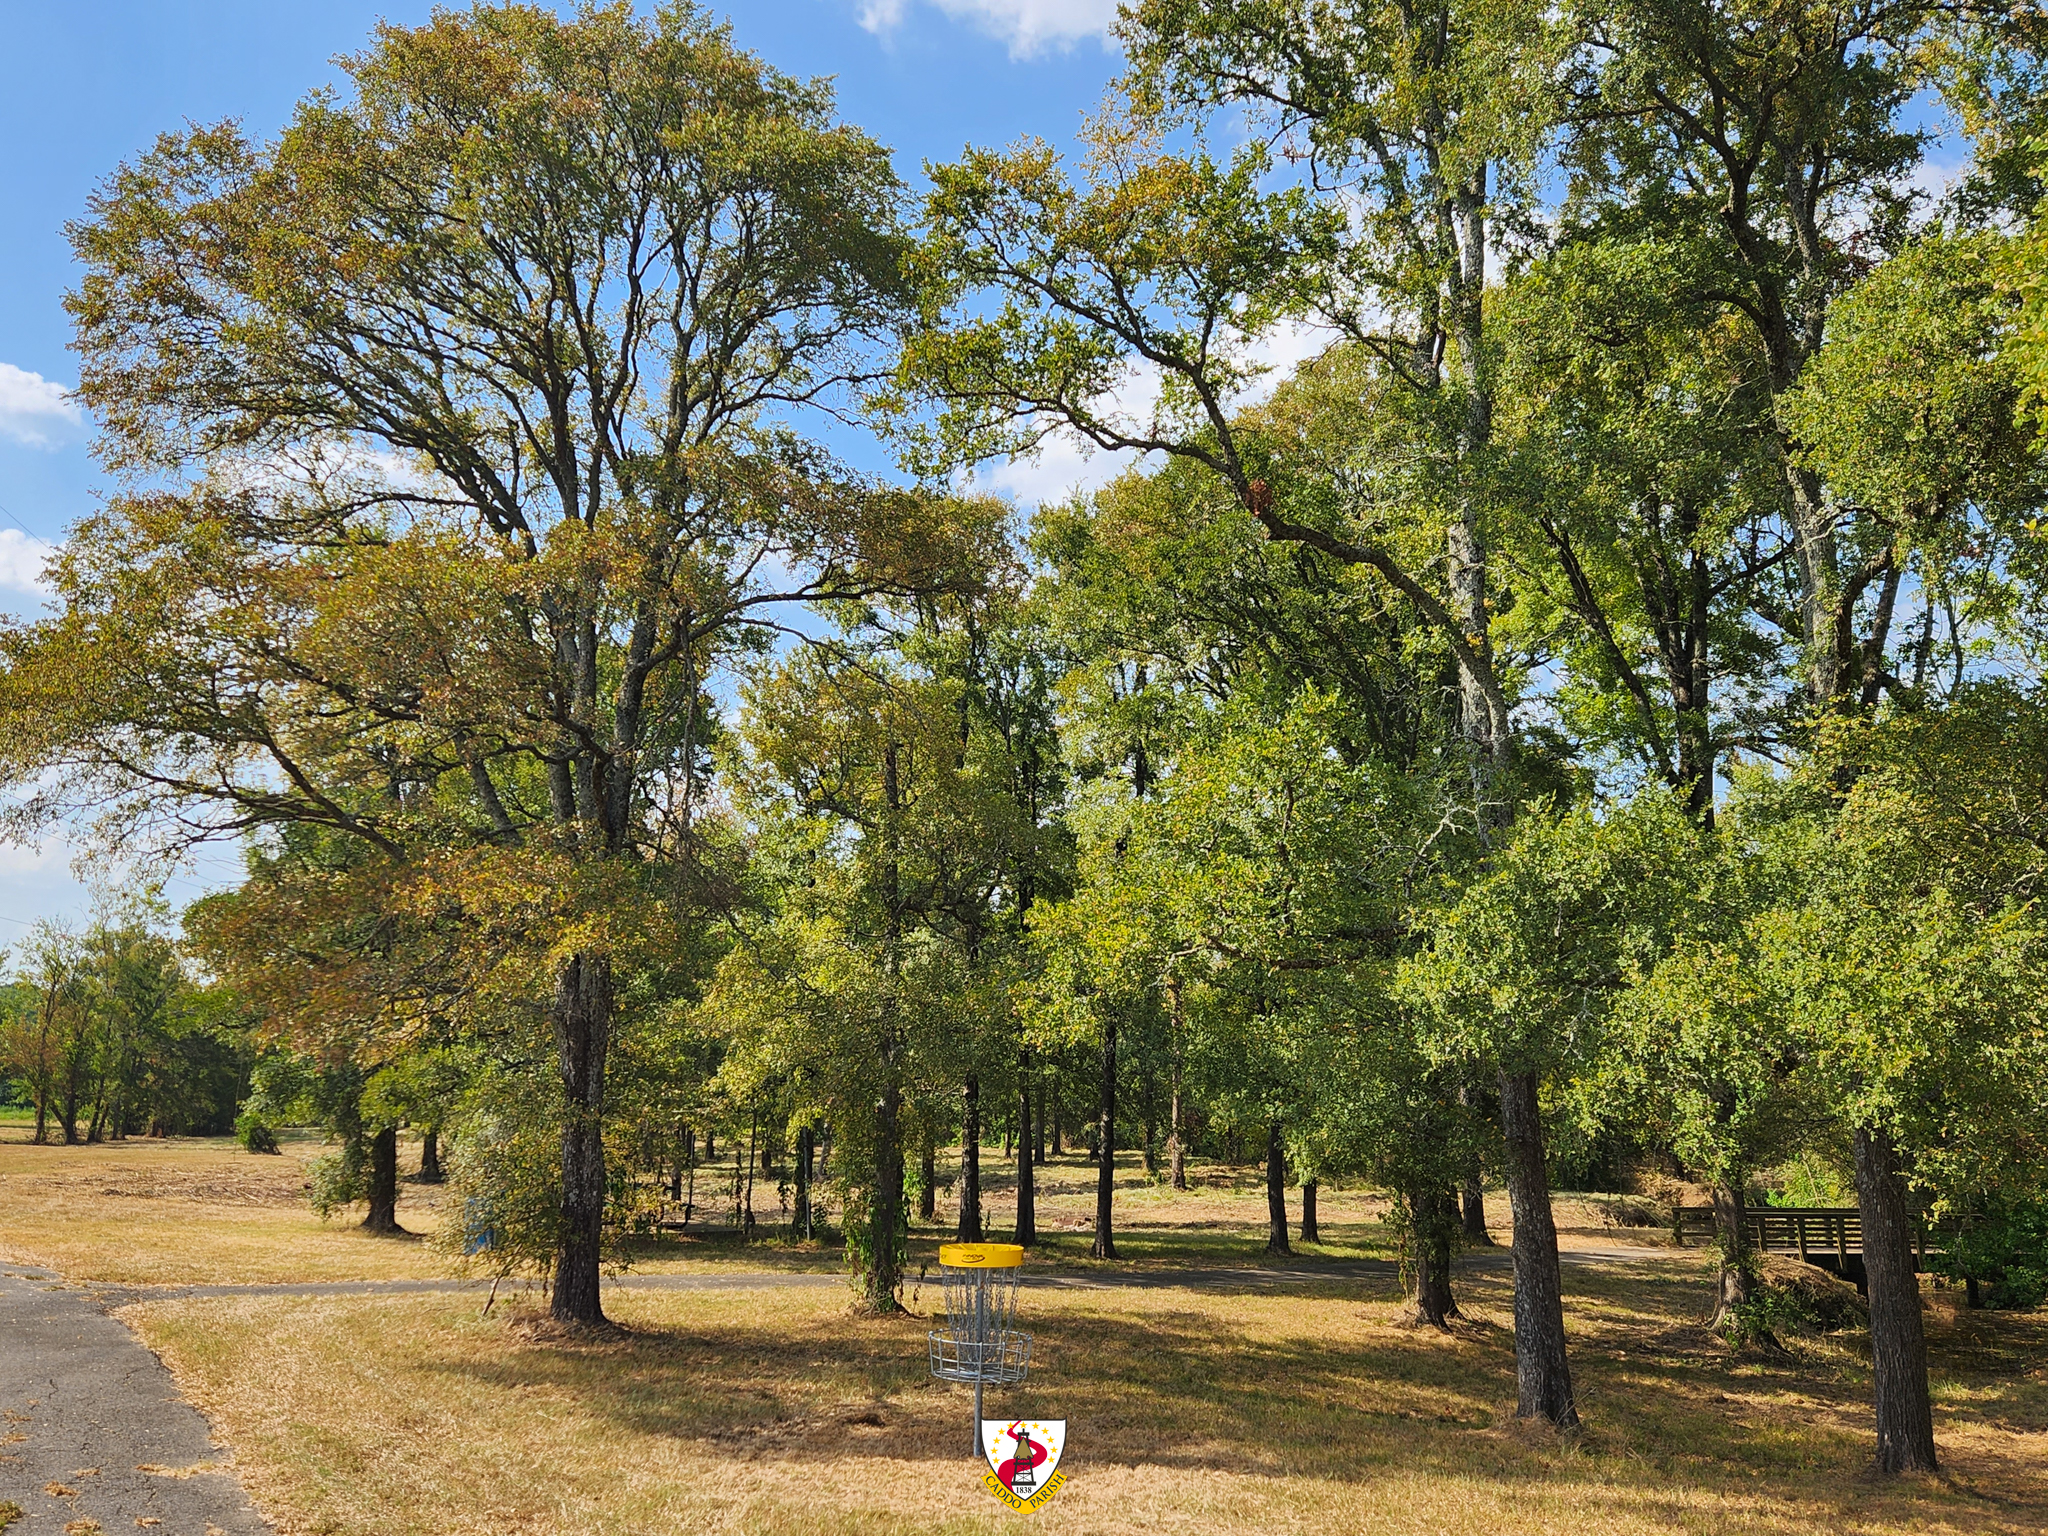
<point x="1028" y="26"/>
<point x="21" y="563"/>
<point x="36" y="410"/>
<point x="1937" y="178"/>
<point x="1062" y="466"/>
<point x="1065" y="464"/>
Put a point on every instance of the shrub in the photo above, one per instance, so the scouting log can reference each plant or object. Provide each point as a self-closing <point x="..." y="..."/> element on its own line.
<point x="335" y="1181"/>
<point x="1809" y="1298"/>
<point x="2004" y="1248"/>
<point x="253" y="1133"/>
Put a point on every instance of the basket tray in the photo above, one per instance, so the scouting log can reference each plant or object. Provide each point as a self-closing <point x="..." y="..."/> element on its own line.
<point x="1002" y="1357"/>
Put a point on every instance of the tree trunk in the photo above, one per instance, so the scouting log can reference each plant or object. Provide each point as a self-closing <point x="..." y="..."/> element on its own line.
<point x="1543" y="1377"/>
<point x="1472" y="1208"/>
<point x="1176" y="1151"/>
<point x="800" y="1221"/>
<point x="1433" y="1217"/>
<point x="1276" y="1191"/>
<point x="1898" y="1346"/>
<point x="1037" y="1125"/>
<point x="383" y="1215"/>
<point x="753" y="1158"/>
<point x="1148" y="1128"/>
<point x="885" y="1208"/>
<point x="583" y="1023"/>
<point x="430" y="1158"/>
<point x="1310" y="1232"/>
<point x="928" y="1180"/>
<point x="1472" y="1196"/>
<point x="1105" y="1142"/>
<point x="1029" y="1151"/>
<point x="690" y="1169"/>
<point x="1731" y="1230"/>
<point x="970" y="1161"/>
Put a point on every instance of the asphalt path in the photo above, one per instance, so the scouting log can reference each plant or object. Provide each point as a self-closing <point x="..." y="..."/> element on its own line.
<point x="93" y="1429"/>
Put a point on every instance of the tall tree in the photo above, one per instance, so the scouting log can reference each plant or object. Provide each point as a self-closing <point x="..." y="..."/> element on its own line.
<point x="485" y="373"/>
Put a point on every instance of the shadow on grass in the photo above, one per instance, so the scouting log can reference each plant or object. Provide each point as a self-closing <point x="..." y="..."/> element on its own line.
<point x="1332" y="1391"/>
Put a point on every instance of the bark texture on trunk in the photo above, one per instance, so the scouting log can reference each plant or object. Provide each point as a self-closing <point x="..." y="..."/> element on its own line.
<point x="1472" y="1208"/>
<point x="800" y="1224"/>
<point x="970" y="1161"/>
<point x="885" y="1200"/>
<point x="583" y="1022"/>
<point x="1731" y="1232"/>
<point x="430" y="1158"/>
<point x="383" y="1213"/>
<point x="1433" y="1219"/>
<point x="1276" y="1190"/>
<point x="885" y="1208"/>
<point x="1176" y="1152"/>
<point x="1898" y="1343"/>
<point x="1105" y="1142"/>
<point x="1472" y="1194"/>
<point x="1543" y="1377"/>
<point x="1310" y="1232"/>
<point x="1028" y="1153"/>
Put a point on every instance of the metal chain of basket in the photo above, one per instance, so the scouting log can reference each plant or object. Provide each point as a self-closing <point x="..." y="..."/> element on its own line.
<point x="978" y="1347"/>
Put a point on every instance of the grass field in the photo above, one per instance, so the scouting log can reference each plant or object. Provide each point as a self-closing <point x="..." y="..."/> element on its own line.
<point x="203" y="1211"/>
<point x="1194" y="1406"/>
<point x="1189" y="1410"/>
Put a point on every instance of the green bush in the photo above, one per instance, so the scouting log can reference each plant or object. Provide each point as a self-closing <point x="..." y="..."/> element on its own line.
<point x="253" y="1133"/>
<point x="336" y="1181"/>
<point x="2004" y="1248"/>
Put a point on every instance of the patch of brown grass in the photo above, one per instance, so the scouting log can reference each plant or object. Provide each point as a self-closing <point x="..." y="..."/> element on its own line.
<point x="192" y="1211"/>
<point x="1190" y="1410"/>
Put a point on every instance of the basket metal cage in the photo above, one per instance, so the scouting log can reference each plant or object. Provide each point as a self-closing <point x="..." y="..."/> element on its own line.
<point x="978" y="1347"/>
<point x="1001" y="1360"/>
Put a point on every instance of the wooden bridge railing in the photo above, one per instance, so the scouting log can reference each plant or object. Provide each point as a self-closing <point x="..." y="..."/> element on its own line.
<point x="1824" y="1232"/>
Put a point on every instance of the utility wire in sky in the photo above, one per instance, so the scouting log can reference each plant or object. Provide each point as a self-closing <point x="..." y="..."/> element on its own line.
<point x="24" y="527"/>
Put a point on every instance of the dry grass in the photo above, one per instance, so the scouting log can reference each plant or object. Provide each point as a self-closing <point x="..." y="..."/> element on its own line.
<point x="1301" y="1405"/>
<point x="203" y="1211"/>
<point x="1190" y="1410"/>
<point x="191" y="1211"/>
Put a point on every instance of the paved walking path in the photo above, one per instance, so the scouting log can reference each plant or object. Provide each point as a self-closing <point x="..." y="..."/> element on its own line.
<point x="93" y="1408"/>
<point x="1215" y="1278"/>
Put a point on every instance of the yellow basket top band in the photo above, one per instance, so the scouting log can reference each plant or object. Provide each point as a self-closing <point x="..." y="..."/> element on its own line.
<point x="981" y="1255"/>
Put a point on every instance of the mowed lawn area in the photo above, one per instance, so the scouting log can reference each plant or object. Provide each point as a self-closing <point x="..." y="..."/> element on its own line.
<point x="1195" y="1403"/>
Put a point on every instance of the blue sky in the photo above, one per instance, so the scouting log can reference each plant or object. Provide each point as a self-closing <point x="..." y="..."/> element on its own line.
<point x="85" y="86"/>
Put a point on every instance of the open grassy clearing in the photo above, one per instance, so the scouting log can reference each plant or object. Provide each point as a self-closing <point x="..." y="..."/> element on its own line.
<point x="1191" y="1410"/>
<point x="1197" y="1407"/>
<point x="182" y="1211"/>
<point x="203" y="1211"/>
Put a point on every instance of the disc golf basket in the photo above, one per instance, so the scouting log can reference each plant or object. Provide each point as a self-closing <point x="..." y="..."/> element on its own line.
<point x="978" y="1346"/>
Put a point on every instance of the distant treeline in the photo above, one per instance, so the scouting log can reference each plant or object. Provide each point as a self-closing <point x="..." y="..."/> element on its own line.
<point x="104" y="1035"/>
